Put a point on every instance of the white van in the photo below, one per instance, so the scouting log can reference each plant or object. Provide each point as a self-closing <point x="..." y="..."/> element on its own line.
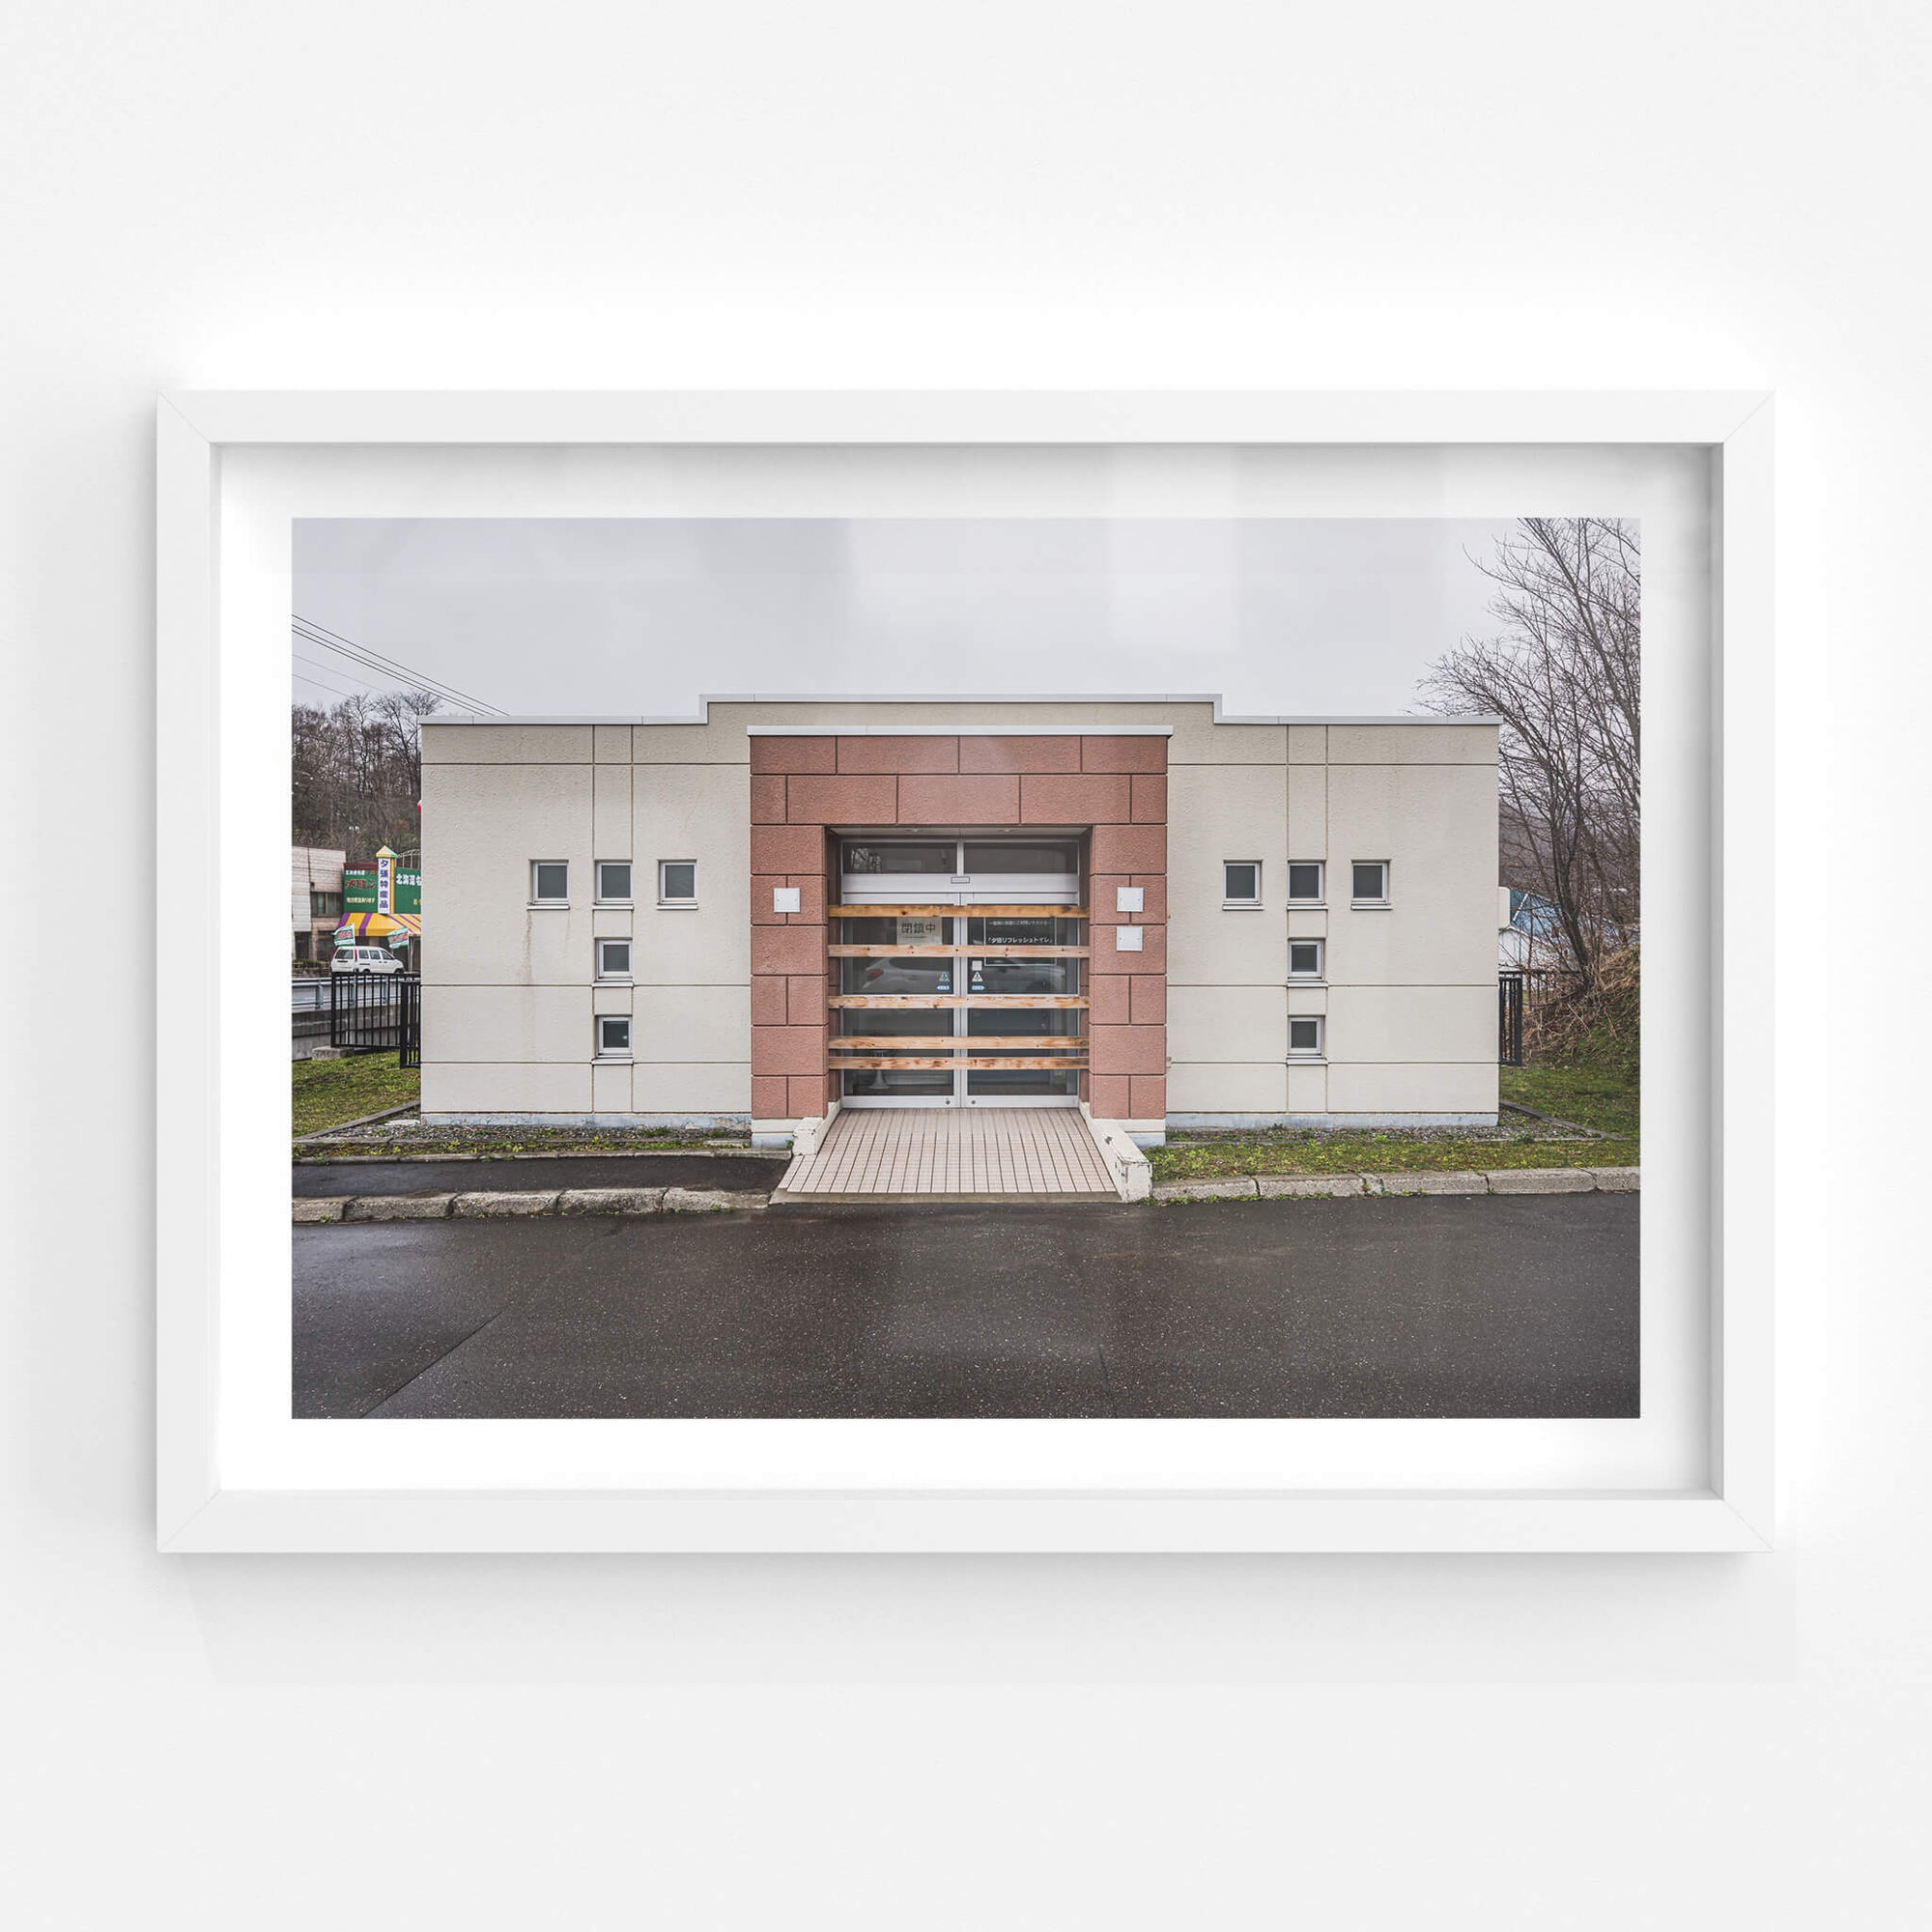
<point x="365" y="959"/>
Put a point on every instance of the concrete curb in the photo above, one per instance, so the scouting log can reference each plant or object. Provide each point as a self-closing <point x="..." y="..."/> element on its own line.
<point x="526" y="1205"/>
<point x="710" y="1199"/>
<point x="611" y="1201"/>
<point x="398" y="1207"/>
<point x="633" y="1202"/>
<point x="503" y="1206"/>
<point x="1493" y="1181"/>
<point x="364" y="1121"/>
<point x="1443" y="1181"/>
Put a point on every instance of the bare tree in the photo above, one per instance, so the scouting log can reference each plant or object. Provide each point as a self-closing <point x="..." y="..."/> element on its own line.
<point x="357" y="772"/>
<point x="1565" y="676"/>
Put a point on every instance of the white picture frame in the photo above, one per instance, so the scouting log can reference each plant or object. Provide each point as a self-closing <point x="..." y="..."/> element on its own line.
<point x="198" y="1511"/>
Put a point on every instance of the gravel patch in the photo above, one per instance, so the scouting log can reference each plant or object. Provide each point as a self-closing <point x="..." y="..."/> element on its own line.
<point x="1518" y="1126"/>
<point x="407" y="1138"/>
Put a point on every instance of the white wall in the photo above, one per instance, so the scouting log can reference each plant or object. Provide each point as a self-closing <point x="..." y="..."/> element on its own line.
<point x="593" y="194"/>
<point x="1409" y="990"/>
<point x="507" y="1007"/>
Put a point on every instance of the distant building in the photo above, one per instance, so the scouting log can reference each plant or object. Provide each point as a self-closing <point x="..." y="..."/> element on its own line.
<point x="382" y="905"/>
<point x="315" y="901"/>
<point x="1528" y="942"/>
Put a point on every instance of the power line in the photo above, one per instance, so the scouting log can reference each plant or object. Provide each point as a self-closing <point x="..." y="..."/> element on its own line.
<point x="321" y="686"/>
<point x="313" y="664"/>
<point x="387" y="669"/>
<point x="362" y="654"/>
<point x="370" y="659"/>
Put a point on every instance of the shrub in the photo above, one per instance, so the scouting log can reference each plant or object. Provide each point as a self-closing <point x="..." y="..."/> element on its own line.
<point x="1599" y="1028"/>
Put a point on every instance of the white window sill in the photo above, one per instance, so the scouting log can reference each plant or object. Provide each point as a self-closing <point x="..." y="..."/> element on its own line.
<point x="550" y="906"/>
<point x="1243" y="905"/>
<point x="1370" y="905"/>
<point x="1308" y="1060"/>
<point x="1308" y="905"/>
<point x="614" y="980"/>
<point x="612" y="1059"/>
<point x="677" y="905"/>
<point x="614" y="905"/>
<point x="1307" y="980"/>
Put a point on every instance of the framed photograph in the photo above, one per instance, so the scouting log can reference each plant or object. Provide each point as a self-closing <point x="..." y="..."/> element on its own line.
<point x="967" y="972"/>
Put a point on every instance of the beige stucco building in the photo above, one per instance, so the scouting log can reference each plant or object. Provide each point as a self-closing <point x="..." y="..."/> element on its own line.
<point x="315" y="899"/>
<point x="784" y="907"/>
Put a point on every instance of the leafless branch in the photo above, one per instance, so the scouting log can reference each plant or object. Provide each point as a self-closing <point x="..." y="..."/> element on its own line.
<point x="1564" y="673"/>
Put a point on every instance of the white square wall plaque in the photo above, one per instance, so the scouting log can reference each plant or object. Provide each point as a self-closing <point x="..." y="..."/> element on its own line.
<point x="1129" y="898"/>
<point x="1128" y="939"/>
<point x="784" y="898"/>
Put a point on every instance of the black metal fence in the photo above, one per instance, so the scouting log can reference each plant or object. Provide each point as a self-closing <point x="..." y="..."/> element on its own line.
<point x="409" y="1049"/>
<point x="372" y="1012"/>
<point x="1509" y="1018"/>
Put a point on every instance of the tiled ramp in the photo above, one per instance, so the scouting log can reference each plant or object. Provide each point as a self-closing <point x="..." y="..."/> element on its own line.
<point x="934" y="1154"/>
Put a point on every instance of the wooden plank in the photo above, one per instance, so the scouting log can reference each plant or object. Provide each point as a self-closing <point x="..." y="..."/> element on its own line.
<point x="954" y="910"/>
<point x="959" y="951"/>
<point x="916" y="1002"/>
<point x="922" y="1042"/>
<point x="910" y="1063"/>
<point x="1077" y="1058"/>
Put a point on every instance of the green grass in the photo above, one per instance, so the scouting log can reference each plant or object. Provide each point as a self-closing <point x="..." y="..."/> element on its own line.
<point x="1591" y="1096"/>
<point x="330" y="1092"/>
<point x="1607" y="1101"/>
<point x="326" y="1092"/>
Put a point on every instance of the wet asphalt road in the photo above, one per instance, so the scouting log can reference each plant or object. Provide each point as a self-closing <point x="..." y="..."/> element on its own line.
<point x="1450" y="1306"/>
<point x="311" y="1181"/>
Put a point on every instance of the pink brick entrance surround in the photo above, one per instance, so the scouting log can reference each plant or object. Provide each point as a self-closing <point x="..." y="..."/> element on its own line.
<point x="803" y="787"/>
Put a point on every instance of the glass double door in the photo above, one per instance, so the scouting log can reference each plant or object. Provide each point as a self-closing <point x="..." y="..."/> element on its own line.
<point x="959" y="969"/>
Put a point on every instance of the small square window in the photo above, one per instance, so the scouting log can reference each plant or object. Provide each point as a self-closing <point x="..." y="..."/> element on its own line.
<point x="1304" y="882"/>
<point x="550" y="882"/>
<point x="1305" y="958"/>
<point x="677" y="882"/>
<point x="1304" y="1036"/>
<point x="613" y="882"/>
<point x="613" y="959"/>
<point x="614" y="1035"/>
<point x="1369" y="882"/>
<point x="1241" y="882"/>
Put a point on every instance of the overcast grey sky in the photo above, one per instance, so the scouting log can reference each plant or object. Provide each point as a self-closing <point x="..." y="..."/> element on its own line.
<point x="641" y="615"/>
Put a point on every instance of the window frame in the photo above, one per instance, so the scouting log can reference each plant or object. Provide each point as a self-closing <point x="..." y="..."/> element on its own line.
<point x="1232" y="904"/>
<point x="1319" y="1050"/>
<point x="599" y="897"/>
<point x="598" y="1023"/>
<point x="604" y="976"/>
<point x="560" y="903"/>
<point x="664" y="900"/>
<point x="1375" y="905"/>
<point x="1321" y="898"/>
<point x="1321" y="972"/>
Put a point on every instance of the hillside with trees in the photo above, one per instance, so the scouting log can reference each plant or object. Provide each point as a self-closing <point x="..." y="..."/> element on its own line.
<point x="357" y="773"/>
